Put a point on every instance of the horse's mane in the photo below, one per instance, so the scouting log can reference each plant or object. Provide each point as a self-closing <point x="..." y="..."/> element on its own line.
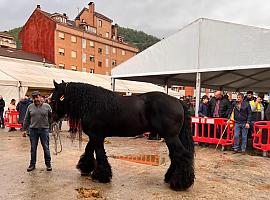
<point x="85" y="100"/>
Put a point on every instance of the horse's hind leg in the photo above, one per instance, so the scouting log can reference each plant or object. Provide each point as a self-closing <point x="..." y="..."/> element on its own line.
<point x="87" y="162"/>
<point x="172" y="167"/>
<point x="103" y="171"/>
<point x="180" y="175"/>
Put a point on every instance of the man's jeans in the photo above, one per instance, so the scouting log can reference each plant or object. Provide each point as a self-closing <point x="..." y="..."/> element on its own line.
<point x="43" y="134"/>
<point x="237" y="127"/>
<point x="2" y="122"/>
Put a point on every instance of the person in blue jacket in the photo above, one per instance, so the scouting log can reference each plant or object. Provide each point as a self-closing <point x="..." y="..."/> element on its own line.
<point x="242" y="117"/>
<point x="204" y="107"/>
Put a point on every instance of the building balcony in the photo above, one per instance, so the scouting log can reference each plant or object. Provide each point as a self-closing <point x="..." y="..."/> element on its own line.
<point x="91" y="29"/>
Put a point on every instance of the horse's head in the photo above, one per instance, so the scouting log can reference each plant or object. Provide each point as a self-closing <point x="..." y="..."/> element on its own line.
<point x="58" y="101"/>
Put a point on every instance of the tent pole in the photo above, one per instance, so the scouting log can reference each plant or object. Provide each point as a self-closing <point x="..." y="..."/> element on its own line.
<point x="198" y="93"/>
<point x="166" y="88"/>
<point x="113" y="84"/>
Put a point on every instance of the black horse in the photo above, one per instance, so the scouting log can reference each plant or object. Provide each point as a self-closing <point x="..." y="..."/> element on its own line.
<point x="103" y="113"/>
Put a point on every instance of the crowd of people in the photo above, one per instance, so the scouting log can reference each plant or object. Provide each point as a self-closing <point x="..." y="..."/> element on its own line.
<point x="245" y="111"/>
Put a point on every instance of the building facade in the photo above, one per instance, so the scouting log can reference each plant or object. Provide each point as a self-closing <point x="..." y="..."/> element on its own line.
<point x="6" y="40"/>
<point x="90" y="43"/>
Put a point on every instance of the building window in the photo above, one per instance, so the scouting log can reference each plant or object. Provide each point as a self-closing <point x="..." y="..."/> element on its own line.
<point x="83" y="43"/>
<point x="107" y="34"/>
<point x="61" y="66"/>
<point x="107" y="62"/>
<point x="100" y="23"/>
<point x="99" y="64"/>
<point x="74" y="68"/>
<point x="113" y="62"/>
<point x="73" y="54"/>
<point x="84" y="69"/>
<point x="84" y="57"/>
<point x="92" y="44"/>
<point x="73" y="39"/>
<point x="61" y="51"/>
<point x="100" y="50"/>
<point x="123" y="52"/>
<point x="61" y="35"/>
<point x="92" y="58"/>
<point x="113" y="50"/>
<point x="107" y="49"/>
<point x="92" y="71"/>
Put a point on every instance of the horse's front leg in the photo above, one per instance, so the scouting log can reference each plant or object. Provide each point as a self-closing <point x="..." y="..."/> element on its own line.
<point x="103" y="171"/>
<point x="87" y="162"/>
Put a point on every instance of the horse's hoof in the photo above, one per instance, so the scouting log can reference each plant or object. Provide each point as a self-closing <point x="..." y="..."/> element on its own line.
<point x="166" y="180"/>
<point x="181" y="184"/>
<point x="100" y="178"/>
<point x="85" y="174"/>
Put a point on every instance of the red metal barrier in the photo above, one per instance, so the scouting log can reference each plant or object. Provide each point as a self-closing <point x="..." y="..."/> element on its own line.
<point x="210" y="130"/>
<point x="11" y="119"/>
<point x="261" y="135"/>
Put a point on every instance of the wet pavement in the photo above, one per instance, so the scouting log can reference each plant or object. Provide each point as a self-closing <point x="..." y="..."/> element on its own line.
<point x="219" y="175"/>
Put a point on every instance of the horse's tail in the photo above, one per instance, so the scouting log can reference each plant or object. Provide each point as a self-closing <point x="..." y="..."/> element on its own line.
<point x="185" y="133"/>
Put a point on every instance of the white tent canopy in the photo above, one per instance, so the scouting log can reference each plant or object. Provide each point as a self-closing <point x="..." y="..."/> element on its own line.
<point x="17" y="76"/>
<point x="228" y="56"/>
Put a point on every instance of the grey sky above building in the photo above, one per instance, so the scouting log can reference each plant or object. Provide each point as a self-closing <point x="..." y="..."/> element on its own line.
<point x="159" y="18"/>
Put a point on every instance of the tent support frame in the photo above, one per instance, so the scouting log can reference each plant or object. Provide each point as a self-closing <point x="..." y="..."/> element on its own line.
<point x="198" y="93"/>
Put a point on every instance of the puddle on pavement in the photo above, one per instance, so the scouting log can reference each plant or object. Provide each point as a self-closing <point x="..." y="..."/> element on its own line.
<point x="154" y="160"/>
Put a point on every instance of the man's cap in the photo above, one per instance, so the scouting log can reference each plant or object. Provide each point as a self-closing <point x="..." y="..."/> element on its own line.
<point x="35" y="93"/>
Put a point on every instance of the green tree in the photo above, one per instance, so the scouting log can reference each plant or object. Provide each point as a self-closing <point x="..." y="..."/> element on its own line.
<point x="139" y="39"/>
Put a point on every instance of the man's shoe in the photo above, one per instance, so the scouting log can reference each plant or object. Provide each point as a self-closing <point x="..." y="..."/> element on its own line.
<point x="49" y="167"/>
<point x="235" y="151"/>
<point x="243" y="152"/>
<point x="31" y="168"/>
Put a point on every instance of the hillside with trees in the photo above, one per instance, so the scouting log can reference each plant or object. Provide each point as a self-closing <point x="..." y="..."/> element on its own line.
<point x="15" y="33"/>
<point x="136" y="38"/>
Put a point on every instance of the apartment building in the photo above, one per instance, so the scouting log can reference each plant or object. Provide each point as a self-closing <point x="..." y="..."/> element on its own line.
<point x="89" y="43"/>
<point x="6" y="40"/>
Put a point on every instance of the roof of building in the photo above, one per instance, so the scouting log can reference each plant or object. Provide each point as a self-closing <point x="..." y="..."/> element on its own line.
<point x="96" y="14"/>
<point x="6" y="34"/>
<point x="20" y="54"/>
<point x="72" y="23"/>
<point x="103" y="17"/>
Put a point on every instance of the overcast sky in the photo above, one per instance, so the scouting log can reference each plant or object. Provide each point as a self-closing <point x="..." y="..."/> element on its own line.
<point x="159" y="18"/>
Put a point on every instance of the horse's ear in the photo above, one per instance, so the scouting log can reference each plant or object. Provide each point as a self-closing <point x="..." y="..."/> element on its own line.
<point x="56" y="85"/>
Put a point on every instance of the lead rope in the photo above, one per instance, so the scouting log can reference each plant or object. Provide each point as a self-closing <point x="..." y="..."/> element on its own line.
<point x="56" y="137"/>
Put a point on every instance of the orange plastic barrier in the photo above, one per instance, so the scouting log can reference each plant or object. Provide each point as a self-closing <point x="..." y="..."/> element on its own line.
<point x="261" y="135"/>
<point x="210" y="130"/>
<point x="11" y="119"/>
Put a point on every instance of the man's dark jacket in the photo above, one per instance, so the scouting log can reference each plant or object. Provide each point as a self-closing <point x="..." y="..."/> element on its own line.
<point x="244" y="115"/>
<point x="2" y="104"/>
<point x="22" y="108"/>
<point x="224" y="107"/>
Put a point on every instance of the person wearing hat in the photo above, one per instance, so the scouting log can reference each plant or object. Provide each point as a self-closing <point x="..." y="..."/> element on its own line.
<point x="37" y="121"/>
